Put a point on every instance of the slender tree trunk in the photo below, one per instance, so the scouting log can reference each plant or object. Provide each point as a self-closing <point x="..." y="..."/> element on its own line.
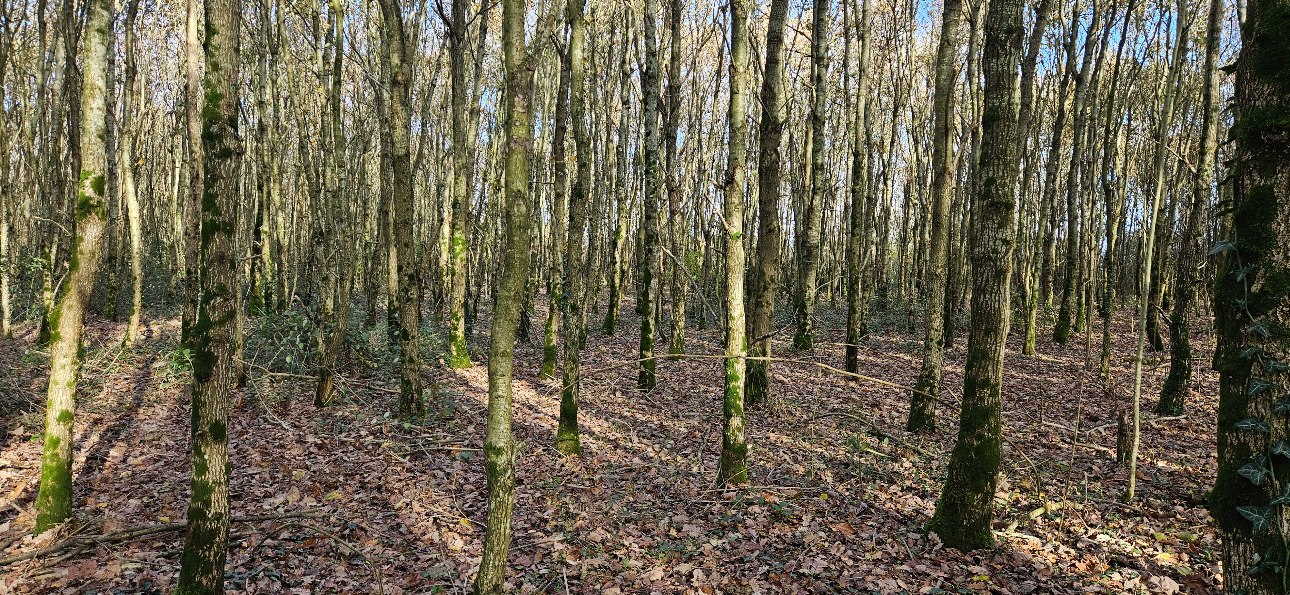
<point x="334" y="326"/>
<point x="1114" y="198"/>
<point x="192" y="207"/>
<point x="809" y="250"/>
<point x="54" y="500"/>
<point x="575" y="328"/>
<point x="1186" y="273"/>
<point x="499" y="445"/>
<point x="922" y="405"/>
<point x="131" y="196"/>
<point x="621" y="183"/>
<point x="213" y="336"/>
<point x="463" y="160"/>
<point x="559" y="220"/>
<point x="649" y="255"/>
<point x="1067" y="313"/>
<point x="399" y="59"/>
<point x="734" y="446"/>
<point x="856" y="326"/>
<point x="671" y="123"/>
<point x="963" y="513"/>
<point x="1172" y="84"/>
<point x="765" y="276"/>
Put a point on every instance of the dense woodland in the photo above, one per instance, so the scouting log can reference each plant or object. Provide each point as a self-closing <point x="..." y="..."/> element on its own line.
<point x="645" y="296"/>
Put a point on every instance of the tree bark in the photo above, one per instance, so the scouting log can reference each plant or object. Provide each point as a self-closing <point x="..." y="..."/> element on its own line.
<point x="649" y="255"/>
<point x="213" y="336"/>
<point x="922" y="405"/>
<point x="809" y="250"/>
<point x="1186" y="271"/>
<point x="54" y="500"/>
<point x="734" y="446"/>
<point x="963" y="513"/>
<point x="765" y="276"/>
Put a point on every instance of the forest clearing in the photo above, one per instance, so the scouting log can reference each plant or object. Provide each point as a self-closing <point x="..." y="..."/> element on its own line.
<point x="840" y="505"/>
<point x="645" y="296"/>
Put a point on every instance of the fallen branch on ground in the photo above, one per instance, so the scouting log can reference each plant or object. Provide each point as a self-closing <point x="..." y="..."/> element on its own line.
<point x="128" y="534"/>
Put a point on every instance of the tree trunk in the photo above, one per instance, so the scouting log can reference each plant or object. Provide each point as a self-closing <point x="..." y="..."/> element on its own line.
<point x="54" y="500"/>
<point x="765" y="282"/>
<point x="963" y="513"/>
<point x="131" y="196"/>
<point x="499" y="446"/>
<point x="1252" y="312"/>
<point x="856" y="326"/>
<point x="463" y="161"/>
<point x="398" y="57"/>
<point x="649" y="255"/>
<point x="734" y="446"/>
<point x="575" y="318"/>
<point x="1186" y="271"/>
<point x="809" y="250"/>
<point x="213" y="336"/>
<point x="621" y="166"/>
<point x="559" y="221"/>
<point x="922" y="405"/>
<point x="193" y="198"/>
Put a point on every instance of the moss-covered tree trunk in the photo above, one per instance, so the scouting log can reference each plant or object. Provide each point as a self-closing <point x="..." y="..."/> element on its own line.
<point x="922" y="405"/>
<point x="193" y="135"/>
<point x="213" y="336"/>
<point x="54" y="500"/>
<point x="499" y="445"/>
<point x="649" y="254"/>
<point x="462" y="162"/>
<point x="575" y="284"/>
<point x="812" y="217"/>
<point x="1186" y="267"/>
<point x="621" y="183"/>
<point x="399" y="60"/>
<point x="333" y="327"/>
<point x="856" y="325"/>
<point x="734" y="445"/>
<point x="1252" y="314"/>
<point x="130" y="195"/>
<point x="676" y="228"/>
<point x="559" y="221"/>
<point x="765" y="275"/>
<point x="964" y="510"/>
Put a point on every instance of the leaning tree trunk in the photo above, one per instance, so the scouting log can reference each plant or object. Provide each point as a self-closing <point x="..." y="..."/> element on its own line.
<point x="922" y="405"/>
<point x="1186" y="271"/>
<point x="734" y="446"/>
<point x="963" y="513"/>
<point x="809" y="251"/>
<point x="213" y="336"/>
<point x="765" y="276"/>
<point x="1252" y="314"/>
<point x="399" y="60"/>
<point x="54" y="501"/>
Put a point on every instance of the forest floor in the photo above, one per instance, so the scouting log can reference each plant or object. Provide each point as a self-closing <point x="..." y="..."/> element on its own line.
<point x="839" y="498"/>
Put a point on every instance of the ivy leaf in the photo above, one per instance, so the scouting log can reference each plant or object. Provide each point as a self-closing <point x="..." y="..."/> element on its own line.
<point x="1243" y="272"/>
<point x="1221" y="246"/>
<point x="1282" y="448"/>
<point x="1284" y="498"/>
<point x="1260" y="327"/>
<point x="1282" y="405"/>
<point x="1274" y="366"/>
<point x="1259" y="386"/>
<point x="1260" y="516"/>
<point x="1255" y="471"/>
<point x="1253" y="423"/>
<point x="1251" y="351"/>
